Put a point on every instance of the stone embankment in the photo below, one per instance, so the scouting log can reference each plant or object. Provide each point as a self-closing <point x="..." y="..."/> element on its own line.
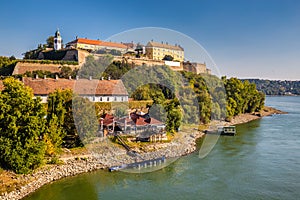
<point x="108" y="156"/>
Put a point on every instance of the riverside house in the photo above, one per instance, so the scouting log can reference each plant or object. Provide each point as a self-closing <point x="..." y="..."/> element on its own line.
<point x="140" y="124"/>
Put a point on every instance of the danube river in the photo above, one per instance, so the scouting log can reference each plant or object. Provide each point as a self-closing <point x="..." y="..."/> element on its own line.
<point x="261" y="162"/>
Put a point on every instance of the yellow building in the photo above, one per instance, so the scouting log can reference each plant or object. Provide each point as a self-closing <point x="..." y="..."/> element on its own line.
<point x="157" y="51"/>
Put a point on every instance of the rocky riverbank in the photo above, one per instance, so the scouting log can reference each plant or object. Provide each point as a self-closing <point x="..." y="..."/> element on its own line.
<point x="112" y="155"/>
<point x="107" y="154"/>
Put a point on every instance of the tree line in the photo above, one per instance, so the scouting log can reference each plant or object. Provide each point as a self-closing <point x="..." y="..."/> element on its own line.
<point x="276" y="87"/>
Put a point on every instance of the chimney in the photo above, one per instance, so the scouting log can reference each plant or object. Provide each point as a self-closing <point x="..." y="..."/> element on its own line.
<point x="90" y="78"/>
<point x="56" y="77"/>
<point x="102" y="78"/>
<point x="45" y="77"/>
<point x="77" y="77"/>
<point x="36" y="76"/>
<point x="70" y="77"/>
<point x="108" y="78"/>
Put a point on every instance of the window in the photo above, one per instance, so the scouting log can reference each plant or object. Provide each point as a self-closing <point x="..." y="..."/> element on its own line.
<point x="107" y="98"/>
<point x="115" y="98"/>
<point x="100" y="98"/>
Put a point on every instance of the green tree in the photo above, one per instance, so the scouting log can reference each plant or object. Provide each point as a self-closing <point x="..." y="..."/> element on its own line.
<point x="50" y="42"/>
<point x="95" y="67"/>
<point x="60" y="111"/>
<point x="7" y="65"/>
<point x="168" y="57"/>
<point x="22" y="126"/>
<point x="85" y="119"/>
<point x="174" y="115"/>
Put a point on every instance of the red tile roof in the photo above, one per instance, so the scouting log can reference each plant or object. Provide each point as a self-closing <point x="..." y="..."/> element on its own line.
<point x="113" y="44"/>
<point x="134" y="119"/>
<point x="87" y="41"/>
<point x="107" y="119"/>
<point x="81" y="86"/>
<point x="99" y="43"/>
<point x="142" y="121"/>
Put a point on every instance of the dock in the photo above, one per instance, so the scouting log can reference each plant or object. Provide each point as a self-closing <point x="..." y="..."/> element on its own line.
<point x="140" y="165"/>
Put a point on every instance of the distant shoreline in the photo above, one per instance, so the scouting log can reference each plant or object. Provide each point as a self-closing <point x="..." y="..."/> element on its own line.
<point x="78" y="164"/>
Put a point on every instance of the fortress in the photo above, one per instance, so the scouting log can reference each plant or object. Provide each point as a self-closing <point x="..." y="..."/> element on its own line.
<point x="153" y="53"/>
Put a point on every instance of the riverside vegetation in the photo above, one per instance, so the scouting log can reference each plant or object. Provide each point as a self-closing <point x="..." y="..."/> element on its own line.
<point x="32" y="134"/>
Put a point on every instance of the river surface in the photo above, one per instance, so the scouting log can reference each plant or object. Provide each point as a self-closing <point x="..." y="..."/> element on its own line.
<point x="261" y="162"/>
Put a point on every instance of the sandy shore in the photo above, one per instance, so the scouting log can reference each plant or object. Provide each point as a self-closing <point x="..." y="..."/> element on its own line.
<point x="109" y="154"/>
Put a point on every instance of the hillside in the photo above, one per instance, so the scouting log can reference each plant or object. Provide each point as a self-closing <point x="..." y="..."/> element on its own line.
<point x="276" y="87"/>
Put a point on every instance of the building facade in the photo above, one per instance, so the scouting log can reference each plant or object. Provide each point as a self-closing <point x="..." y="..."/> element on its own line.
<point x="157" y="51"/>
<point x="197" y="68"/>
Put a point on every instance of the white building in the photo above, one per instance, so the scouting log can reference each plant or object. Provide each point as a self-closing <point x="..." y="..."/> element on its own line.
<point x="57" y="41"/>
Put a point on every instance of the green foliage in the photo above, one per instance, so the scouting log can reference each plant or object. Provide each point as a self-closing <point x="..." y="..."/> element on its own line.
<point x="140" y="104"/>
<point x="22" y="126"/>
<point x="61" y="62"/>
<point x="174" y="115"/>
<point x="117" y="69"/>
<point x="276" y="87"/>
<point x="39" y="73"/>
<point x="242" y="97"/>
<point x="168" y="57"/>
<point x="50" y="42"/>
<point x="66" y="72"/>
<point x="7" y="65"/>
<point x="72" y="117"/>
<point x="84" y="118"/>
<point x="60" y="112"/>
<point x="104" y="67"/>
<point x="94" y="67"/>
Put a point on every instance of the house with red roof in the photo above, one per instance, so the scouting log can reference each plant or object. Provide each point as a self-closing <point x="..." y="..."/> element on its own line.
<point x="141" y="125"/>
<point x="92" y="89"/>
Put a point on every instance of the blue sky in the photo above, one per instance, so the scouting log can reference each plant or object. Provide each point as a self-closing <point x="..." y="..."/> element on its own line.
<point x="246" y="39"/>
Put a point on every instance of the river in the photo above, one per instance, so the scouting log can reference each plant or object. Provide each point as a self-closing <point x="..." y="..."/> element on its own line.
<point x="261" y="162"/>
